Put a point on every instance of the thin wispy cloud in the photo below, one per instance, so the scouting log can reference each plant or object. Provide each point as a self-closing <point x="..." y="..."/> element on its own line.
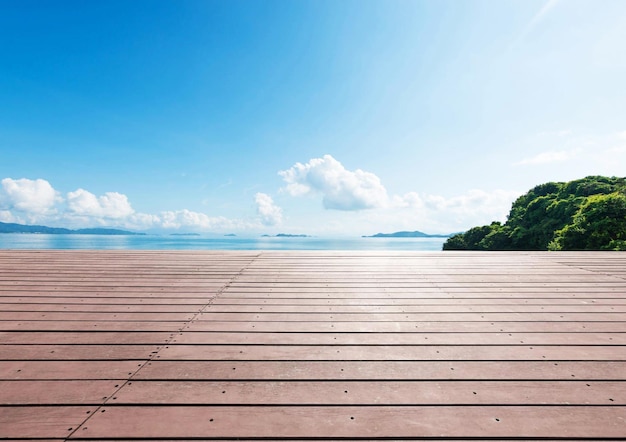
<point x="536" y="19"/>
<point x="547" y="7"/>
<point x="555" y="156"/>
<point x="226" y="184"/>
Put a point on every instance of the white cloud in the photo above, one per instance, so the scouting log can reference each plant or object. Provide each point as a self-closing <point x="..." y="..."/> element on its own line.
<point x="140" y="221"/>
<point x="473" y="207"/>
<point x="7" y="217"/>
<point x="36" y="202"/>
<point x="111" y="205"/>
<point x="616" y="150"/>
<point x="495" y="204"/>
<point x="410" y="211"/>
<point x="554" y="156"/>
<point x="408" y="200"/>
<point x="269" y="212"/>
<point x="341" y="189"/>
<point x="177" y="219"/>
<point x="28" y="201"/>
<point x="35" y="197"/>
<point x="428" y="213"/>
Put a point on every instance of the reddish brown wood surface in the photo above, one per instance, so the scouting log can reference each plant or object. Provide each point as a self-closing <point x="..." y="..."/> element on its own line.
<point x="140" y="345"/>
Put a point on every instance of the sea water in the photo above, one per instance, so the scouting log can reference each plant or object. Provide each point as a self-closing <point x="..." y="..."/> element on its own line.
<point x="173" y="242"/>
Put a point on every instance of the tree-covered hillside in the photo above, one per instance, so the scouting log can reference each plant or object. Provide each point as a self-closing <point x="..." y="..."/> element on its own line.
<point x="585" y="214"/>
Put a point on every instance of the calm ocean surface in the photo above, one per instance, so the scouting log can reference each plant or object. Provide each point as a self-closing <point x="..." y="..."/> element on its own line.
<point x="170" y="242"/>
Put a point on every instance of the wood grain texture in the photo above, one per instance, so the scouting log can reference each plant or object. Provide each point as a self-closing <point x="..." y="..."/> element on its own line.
<point x="141" y="345"/>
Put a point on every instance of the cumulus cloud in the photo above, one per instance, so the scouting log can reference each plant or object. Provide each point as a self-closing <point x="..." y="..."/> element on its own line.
<point x="445" y="214"/>
<point x="7" y="217"/>
<point x="35" y="197"/>
<point x="340" y="188"/>
<point x="474" y="201"/>
<point x="353" y="190"/>
<point x="36" y="201"/>
<point x="111" y="205"/>
<point x="177" y="219"/>
<point x="496" y="203"/>
<point x="269" y="212"/>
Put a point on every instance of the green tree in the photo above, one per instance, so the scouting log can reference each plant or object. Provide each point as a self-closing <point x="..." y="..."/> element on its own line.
<point x="572" y="215"/>
<point x="498" y="239"/>
<point x="600" y="224"/>
<point x="472" y="239"/>
<point x="455" y="242"/>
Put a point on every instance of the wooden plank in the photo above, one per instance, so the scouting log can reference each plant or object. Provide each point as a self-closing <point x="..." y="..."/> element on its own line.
<point x="67" y="370"/>
<point x="260" y="338"/>
<point x="100" y="338"/>
<point x="309" y="317"/>
<point x="382" y="370"/>
<point x="356" y="422"/>
<point x="384" y="317"/>
<point x="373" y="392"/>
<point x="417" y="293"/>
<point x="20" y="285"/>
<point x="402" y="339"/>
<point x="67" y="392"/>
<point x="432" y="286"/>
<point x="47" y="422"/>
<point x="351" y="280"/>
<point x="291" y="439"/>
<point x="21" y="352"/>
<point x="303" y="302"/>
<point x="397" y="309"/>
<point x="397" y="352"/>
<point x="451" y="338"/>
<point x="145" y="326"/>
<point x="103" y="308"/>
<point x="38" y="440"/>
<point x="409" y="327"/>
<point x="81" y="316"/>
<point x="104" y="300"/>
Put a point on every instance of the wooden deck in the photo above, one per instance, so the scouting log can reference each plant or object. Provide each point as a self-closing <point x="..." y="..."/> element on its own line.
<point x="133" y="345"/>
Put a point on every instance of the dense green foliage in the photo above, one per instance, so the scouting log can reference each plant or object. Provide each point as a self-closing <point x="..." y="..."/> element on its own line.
<point x="585" y="214"/>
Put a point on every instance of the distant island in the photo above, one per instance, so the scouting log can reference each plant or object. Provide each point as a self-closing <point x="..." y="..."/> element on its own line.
<point x="184" y="234"/>
<point x="286" y="235"/>
<point x="22" y="228"/>
<point x="230" y="234"/>
<point x="415" y="234"/>
<point x="584" y="214"/>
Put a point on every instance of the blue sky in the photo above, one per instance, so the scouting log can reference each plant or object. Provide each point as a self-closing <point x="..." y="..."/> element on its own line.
<point x="322" y="117"/>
